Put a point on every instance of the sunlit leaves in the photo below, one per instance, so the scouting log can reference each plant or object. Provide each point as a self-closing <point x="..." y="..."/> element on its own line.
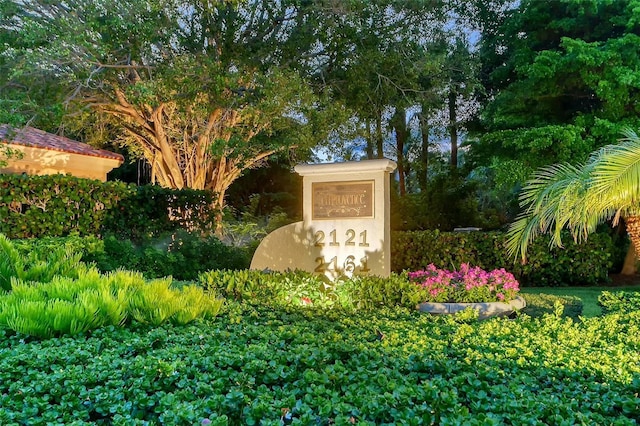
<point x="571" y="64"/>
<point x="579" y="198"/>
<point x="327" y="367"/>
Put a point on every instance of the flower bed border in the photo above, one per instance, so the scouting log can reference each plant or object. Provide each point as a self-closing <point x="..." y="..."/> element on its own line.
<point x="485" y="309"/>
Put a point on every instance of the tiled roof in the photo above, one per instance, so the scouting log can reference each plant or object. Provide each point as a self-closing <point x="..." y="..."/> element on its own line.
<point x="29" y="136"/>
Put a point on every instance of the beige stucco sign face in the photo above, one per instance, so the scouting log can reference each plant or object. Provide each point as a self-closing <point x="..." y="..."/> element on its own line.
<point x="340" y="246"/>
<point x="345" y="227"/>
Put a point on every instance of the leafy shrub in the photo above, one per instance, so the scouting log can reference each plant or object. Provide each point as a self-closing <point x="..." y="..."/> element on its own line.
<point x="619" y="302"/>
<point x="541" y="304"/>
<point x="466" y="284"/>
<point x="288" y="288"/>
<point x="448" y="202"/>
<point x="37" y="265"/>
<point x="576" y="264"/>
<point x="86" y="245"/>
<point x="372" y="292"/>
<point x="182" y="255"/>
<point x="57" y="205"/>
<point x="358" y="294"/>
<point x="53" y="293"/>
<point x="249" y="227"/>
<point x="306" y="289"/>
<point x="74" y="305"/>
<point x="152" y="211"/>
<point x="115" y="254"/>
<point x="205" y="253"/>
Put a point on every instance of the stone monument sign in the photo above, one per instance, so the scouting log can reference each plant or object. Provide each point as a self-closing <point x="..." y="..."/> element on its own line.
<point x="345" y="227"/>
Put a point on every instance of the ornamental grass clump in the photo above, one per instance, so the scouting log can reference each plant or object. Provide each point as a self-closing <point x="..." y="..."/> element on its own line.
<point x="466" y="285"/>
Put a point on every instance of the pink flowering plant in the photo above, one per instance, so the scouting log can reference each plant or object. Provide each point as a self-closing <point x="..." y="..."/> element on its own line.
<point x="466" y="285"/>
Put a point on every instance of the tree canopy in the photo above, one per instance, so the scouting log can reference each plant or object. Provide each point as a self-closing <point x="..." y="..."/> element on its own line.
<point x="561" y="80"/>
<point x="205" y="90"/>
<point x="171" y="80"/>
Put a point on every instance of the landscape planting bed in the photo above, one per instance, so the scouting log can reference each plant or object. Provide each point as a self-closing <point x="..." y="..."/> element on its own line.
<point x="254" y="364"/>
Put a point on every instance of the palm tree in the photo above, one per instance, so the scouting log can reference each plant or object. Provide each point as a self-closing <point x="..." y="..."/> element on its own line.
<point x="562" y="196"/>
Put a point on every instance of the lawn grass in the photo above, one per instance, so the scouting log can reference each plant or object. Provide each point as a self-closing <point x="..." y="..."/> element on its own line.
<point x="588" y="295"/>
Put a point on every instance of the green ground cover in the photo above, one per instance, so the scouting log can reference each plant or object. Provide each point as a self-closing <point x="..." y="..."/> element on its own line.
<point x="255" y="364"/>
<point x="588" y="295"/>
<point x="287" y="348"/>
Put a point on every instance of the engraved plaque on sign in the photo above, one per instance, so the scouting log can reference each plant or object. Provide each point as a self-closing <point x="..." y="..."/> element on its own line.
<point x="344" y="200"/>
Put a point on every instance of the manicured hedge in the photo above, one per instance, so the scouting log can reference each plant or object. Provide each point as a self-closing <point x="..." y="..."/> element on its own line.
<point x="57" y="205"/>
<point x="151" y="211"/>
<point x="181" y="255"/>
<point x="619" y="301"/>
<point x="575" y="264"/>
<point x="34" y="206"/>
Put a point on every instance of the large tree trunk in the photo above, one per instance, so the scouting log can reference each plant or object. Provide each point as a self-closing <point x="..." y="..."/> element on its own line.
<point x="400" y="126"/>
<point x="633" y="229"/>
<point x="184" y="159"/>
<point x="423" y="162"/>
<point x="379" y="141"/>
<point x="453" y="128"/>
<point x="630" y="265"/>
<point x="370" y="142"/>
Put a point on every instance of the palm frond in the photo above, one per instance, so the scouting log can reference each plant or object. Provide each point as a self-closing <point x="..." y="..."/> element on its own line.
<point x="552" y="200"/>
<point x="521" y="233"/>
<point x="616" y="176"/>
<point x="578" y="198"/>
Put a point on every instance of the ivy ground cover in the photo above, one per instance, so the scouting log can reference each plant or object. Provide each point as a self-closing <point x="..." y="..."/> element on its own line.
<point x="297" y="365"/>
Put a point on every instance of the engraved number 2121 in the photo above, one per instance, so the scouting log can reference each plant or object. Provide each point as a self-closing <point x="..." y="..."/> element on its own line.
<point x="350" y="235"/>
